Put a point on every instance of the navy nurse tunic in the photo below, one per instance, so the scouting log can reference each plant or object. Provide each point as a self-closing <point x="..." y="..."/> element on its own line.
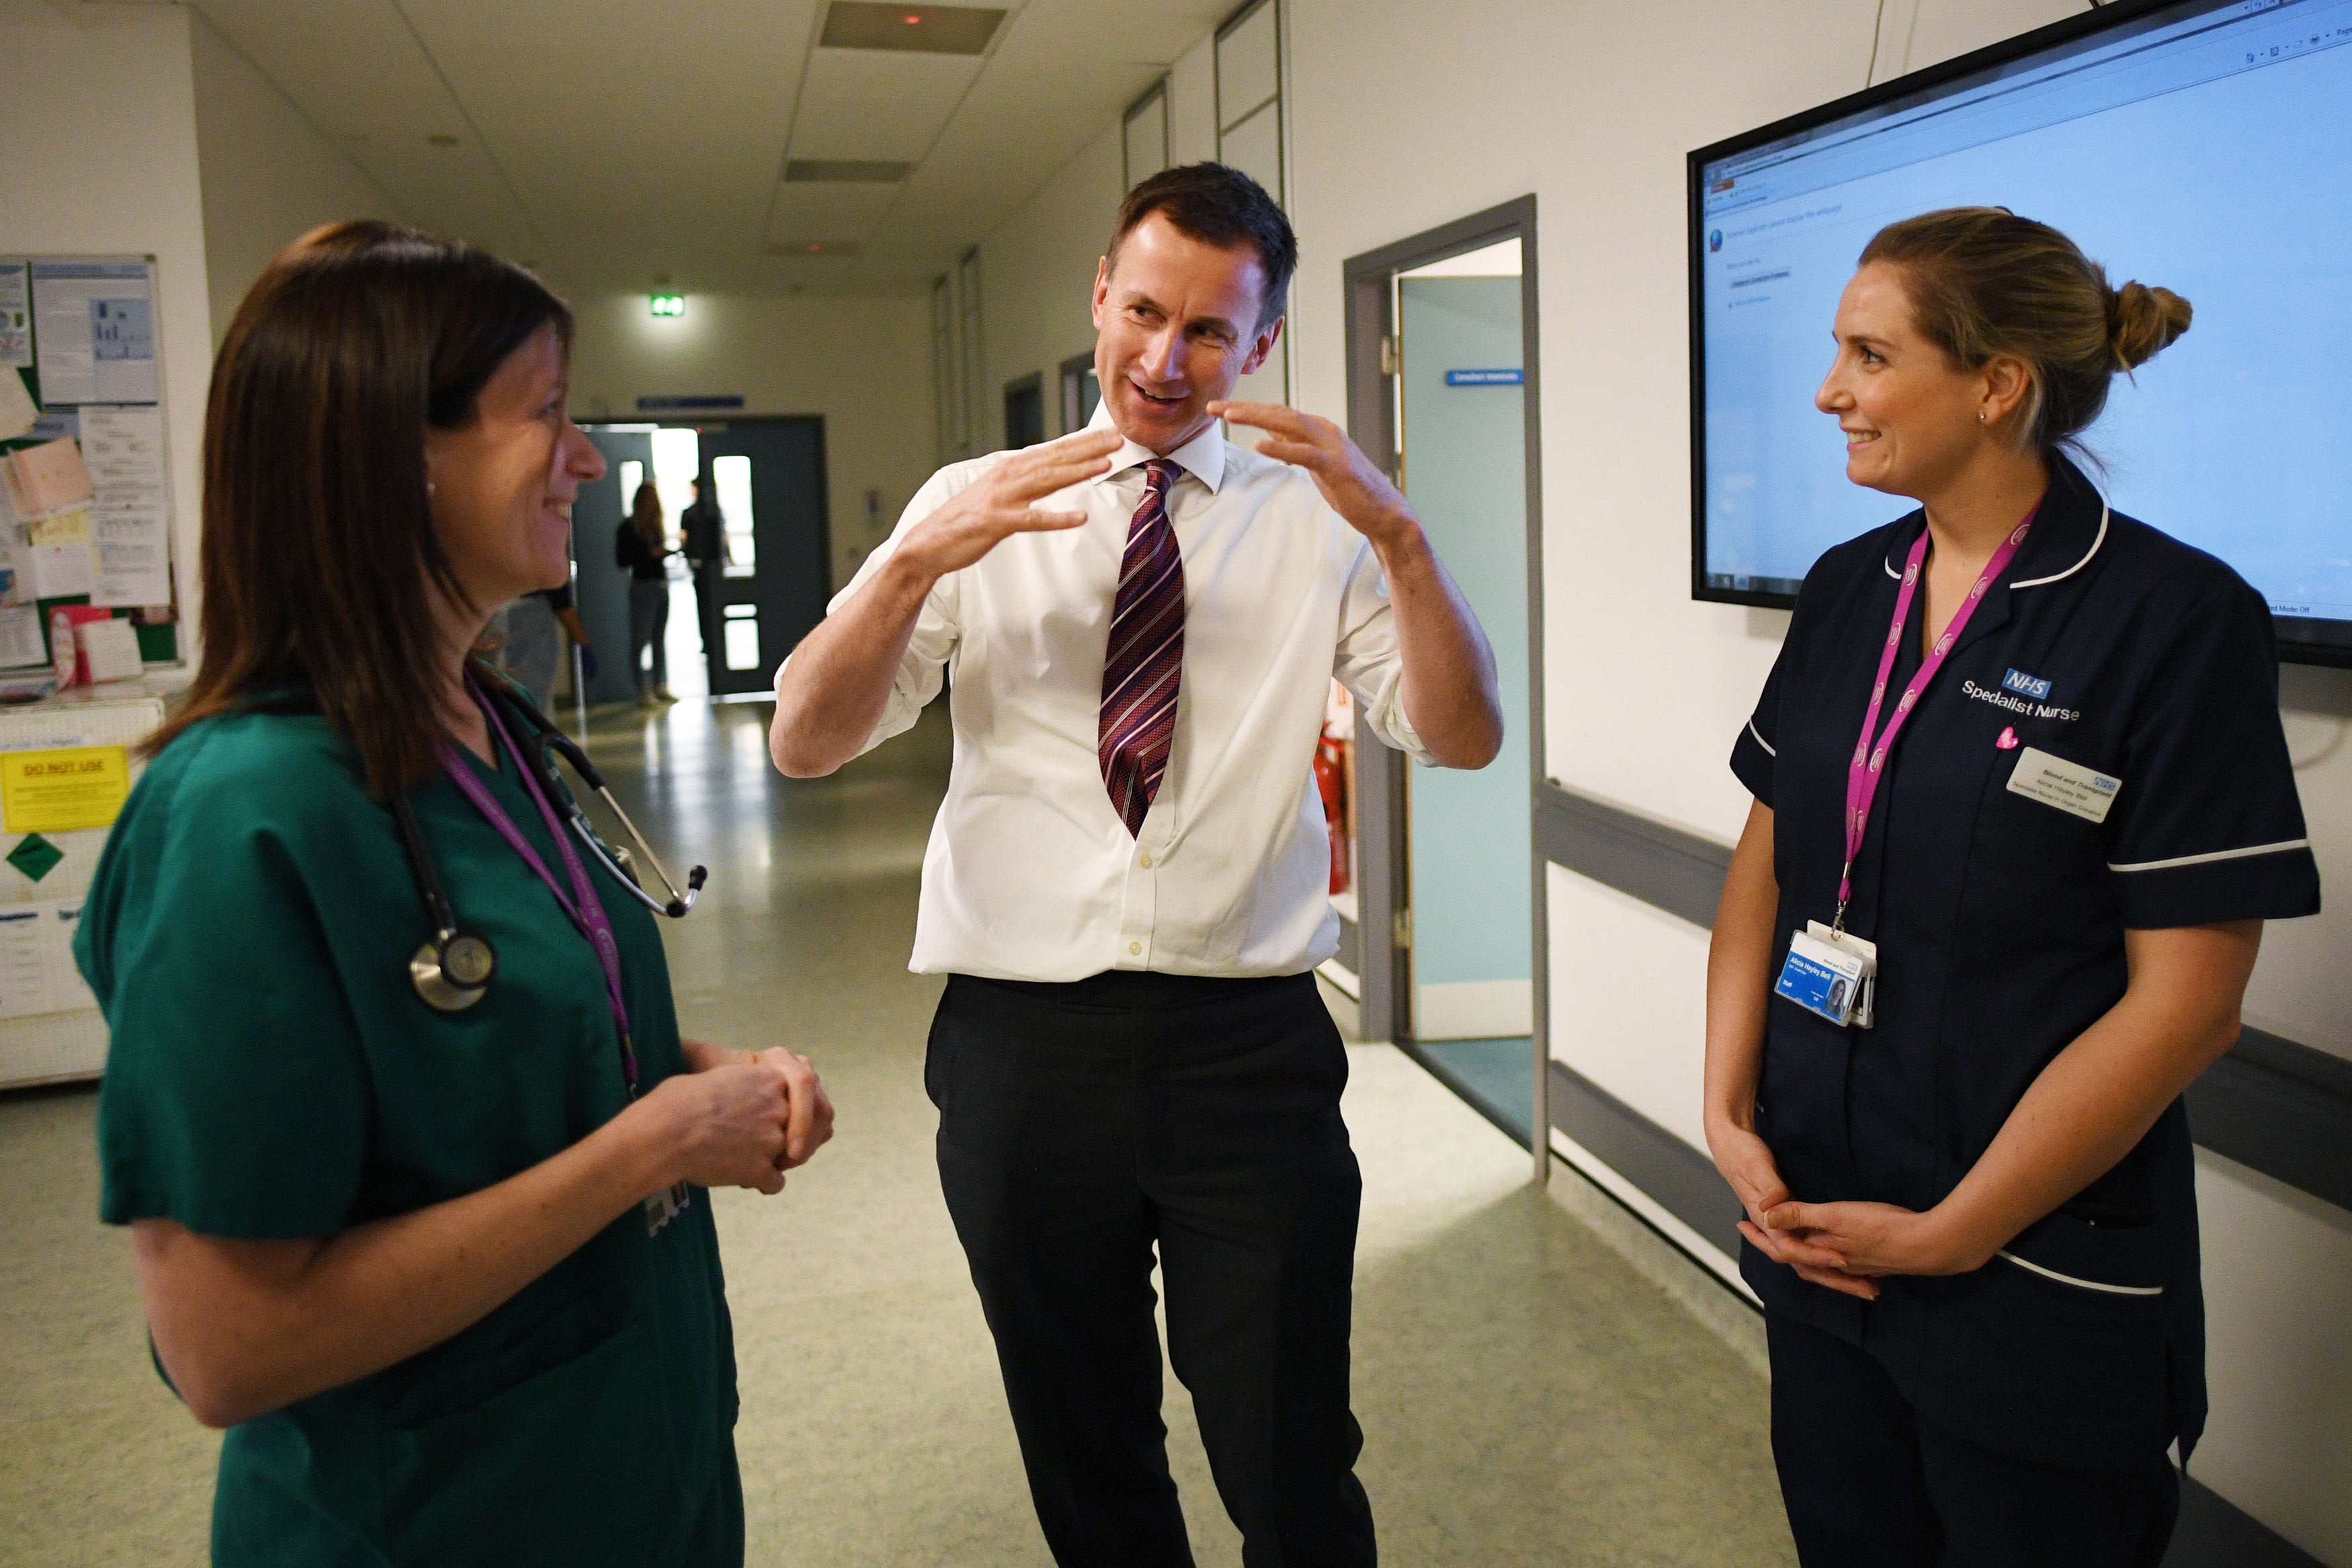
<point x="1999" y="920"/>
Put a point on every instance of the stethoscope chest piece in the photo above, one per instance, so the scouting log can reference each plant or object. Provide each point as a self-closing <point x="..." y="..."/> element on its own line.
<point x="451" y="972"/>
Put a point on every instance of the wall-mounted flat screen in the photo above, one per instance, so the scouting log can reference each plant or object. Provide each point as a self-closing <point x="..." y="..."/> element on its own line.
<point x="2203" y="147"/>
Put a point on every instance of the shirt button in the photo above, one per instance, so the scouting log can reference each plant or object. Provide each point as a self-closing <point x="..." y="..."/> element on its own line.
<point x="1147" y="862"/>
<point x="1135" y="947"/>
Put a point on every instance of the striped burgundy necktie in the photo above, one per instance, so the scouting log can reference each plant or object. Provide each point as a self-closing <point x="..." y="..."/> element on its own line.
<point x="1145" y="660"/>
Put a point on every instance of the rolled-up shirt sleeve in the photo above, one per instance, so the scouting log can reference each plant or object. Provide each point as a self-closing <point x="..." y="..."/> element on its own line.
<point x="936" y="626"/>
<point x="2208" y="825"/>
<point x="1369" y="662"/>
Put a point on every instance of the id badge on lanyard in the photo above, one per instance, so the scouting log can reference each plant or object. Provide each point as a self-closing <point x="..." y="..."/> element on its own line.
<point x="1829" y="971"/>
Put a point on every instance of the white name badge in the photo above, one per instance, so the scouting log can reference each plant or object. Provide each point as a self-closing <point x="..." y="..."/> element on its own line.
<point x="1832" y="976"/>
<point x="2085" y="792"/>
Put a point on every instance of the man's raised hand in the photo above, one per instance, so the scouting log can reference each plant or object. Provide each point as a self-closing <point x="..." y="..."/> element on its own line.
<point x="1350" y="481"/>
<point x="1002" y="502"/>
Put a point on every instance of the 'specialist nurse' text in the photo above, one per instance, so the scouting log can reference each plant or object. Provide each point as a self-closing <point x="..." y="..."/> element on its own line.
<point x="2022" y="802"/>
<point x="397" y="1110"/>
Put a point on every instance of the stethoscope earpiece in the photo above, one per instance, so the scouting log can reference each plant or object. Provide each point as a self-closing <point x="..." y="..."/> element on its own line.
<point x="453" y="972"/>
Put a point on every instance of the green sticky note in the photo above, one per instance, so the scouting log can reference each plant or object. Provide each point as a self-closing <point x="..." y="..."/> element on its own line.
<point x="36" y="856"/>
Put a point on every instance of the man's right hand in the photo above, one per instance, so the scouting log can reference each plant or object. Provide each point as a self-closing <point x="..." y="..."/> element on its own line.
<point x="1002" y="502"/>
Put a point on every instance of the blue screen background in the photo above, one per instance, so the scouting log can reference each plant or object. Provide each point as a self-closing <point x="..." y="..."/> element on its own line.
<point x="2192" y="157"/>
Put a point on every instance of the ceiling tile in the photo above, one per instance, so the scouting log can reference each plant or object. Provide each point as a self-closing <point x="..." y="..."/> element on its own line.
<point x="877" y="106"/>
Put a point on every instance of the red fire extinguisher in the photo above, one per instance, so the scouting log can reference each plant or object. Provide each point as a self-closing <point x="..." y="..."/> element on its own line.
<point x="1331" y="783"/>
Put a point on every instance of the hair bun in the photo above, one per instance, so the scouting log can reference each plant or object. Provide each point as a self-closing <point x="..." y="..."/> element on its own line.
<point x="2142" y="322"/>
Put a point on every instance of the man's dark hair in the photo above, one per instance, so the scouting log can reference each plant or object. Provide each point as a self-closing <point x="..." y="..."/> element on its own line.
<point x="1221" y="206"/>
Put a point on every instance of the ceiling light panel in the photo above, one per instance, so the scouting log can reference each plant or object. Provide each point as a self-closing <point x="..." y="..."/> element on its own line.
<point x="910" y="29"/>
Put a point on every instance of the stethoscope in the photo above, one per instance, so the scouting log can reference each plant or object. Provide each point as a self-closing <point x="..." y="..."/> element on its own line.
<point x="454" y="966"/>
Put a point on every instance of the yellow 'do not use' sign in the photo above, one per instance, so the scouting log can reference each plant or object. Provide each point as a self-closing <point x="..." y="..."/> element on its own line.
<point x="62" y="790"/>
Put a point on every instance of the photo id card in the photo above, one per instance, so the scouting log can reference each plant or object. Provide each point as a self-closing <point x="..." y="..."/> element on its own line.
<point x="1827" y="977"/>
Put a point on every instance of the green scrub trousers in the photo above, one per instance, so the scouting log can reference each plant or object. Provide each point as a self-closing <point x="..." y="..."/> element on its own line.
<point x="274" y="1074"/>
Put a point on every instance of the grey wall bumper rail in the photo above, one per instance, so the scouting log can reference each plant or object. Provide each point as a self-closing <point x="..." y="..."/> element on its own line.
<point x="2271" y="1104"/>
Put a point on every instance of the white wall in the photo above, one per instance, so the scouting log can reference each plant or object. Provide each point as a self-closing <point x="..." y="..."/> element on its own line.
<point x="269" y="175"/>
<point x="862" y="363"/>
<point x="1404" y="118"/>
<point x="1037" y="267"/>
<point x="98" y="120"/>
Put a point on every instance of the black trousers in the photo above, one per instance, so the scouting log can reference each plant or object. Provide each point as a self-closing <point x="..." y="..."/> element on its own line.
<point x="1869" y="1484"/>
<point x="1082" y="1126"/>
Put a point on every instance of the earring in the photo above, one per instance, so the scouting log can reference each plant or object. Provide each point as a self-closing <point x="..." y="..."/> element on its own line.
<point x="428" y="488"/>
<point x="428" y="483"/>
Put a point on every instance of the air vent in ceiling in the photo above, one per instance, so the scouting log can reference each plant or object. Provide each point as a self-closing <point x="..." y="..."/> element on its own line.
<point x="823" y="247"/>
<point x="843" y="171"/>
<point x="914" y="29"/>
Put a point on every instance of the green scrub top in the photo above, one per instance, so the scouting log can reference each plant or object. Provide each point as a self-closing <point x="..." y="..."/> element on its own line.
<point x="274" y="1075"/>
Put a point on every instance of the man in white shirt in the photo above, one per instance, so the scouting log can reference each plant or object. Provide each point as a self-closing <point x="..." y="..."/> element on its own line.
<point x="1126" y="884"/>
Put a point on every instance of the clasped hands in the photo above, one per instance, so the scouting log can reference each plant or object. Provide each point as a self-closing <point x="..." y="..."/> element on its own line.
<point x="739" y="1118"/>
<point x="1844" y="1247"/>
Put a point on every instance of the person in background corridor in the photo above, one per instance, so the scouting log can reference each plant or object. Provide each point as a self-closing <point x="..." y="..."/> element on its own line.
<point x="532" y="649"/>
<point x="639" y="549"/>
<point x="1127" y="884"/>
<point x="702" y="538"/>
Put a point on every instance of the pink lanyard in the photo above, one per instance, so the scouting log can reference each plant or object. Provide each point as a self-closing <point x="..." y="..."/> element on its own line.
<point x="586" y="909"/>
<point x="1862" y="775"/>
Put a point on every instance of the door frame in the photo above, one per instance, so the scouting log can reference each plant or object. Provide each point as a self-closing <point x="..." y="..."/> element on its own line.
<point x="1384" y="890"/>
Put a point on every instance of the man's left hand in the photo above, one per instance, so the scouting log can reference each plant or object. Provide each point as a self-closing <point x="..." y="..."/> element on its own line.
<point x="1350" y="481"/>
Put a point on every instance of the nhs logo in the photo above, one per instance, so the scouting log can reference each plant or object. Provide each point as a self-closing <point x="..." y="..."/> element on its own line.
<point x="2026" y="686"/>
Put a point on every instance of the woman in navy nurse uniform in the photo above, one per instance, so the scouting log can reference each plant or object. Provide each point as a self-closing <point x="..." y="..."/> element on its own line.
<point x="1972" y="1222"/>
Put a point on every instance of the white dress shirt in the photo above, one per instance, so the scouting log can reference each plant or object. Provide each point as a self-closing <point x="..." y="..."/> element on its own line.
<point x="1030" y="873"/>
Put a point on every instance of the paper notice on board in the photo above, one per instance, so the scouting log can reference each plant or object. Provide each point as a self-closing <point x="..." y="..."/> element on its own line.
<point x="20" y="637"/>
<point x="62" y="570"/>
<point x="18" y="411"/>
<point x="15" y="315"/>
<point x="23" y="962"/>
<point x="96" y="323"/>
<point x="131" y="527"/>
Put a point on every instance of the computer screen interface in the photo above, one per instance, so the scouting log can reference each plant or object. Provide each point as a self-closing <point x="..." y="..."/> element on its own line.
<point x="2203" y="147"/>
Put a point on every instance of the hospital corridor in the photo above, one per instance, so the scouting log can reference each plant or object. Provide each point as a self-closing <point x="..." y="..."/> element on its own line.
<point x="1149" y="783"/>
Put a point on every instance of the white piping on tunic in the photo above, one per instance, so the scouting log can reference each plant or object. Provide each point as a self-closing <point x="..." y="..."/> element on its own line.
<point x="2279" y="847"/>
<point x="1769" y="749"/>
<point x="2080" y="1284"/>
<point x="2038" y="581"/>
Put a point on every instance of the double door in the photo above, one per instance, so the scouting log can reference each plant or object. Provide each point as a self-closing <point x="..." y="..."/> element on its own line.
<point x="767" y="477"/>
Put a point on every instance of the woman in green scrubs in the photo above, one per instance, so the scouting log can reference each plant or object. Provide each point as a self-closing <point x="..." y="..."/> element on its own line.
<point x="429" y="1269"/>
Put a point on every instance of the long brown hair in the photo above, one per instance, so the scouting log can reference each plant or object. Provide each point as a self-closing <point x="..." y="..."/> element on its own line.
<point x="1984" y="281"/>
<point x="645" y="515"/>
<point x="320" y="566"/>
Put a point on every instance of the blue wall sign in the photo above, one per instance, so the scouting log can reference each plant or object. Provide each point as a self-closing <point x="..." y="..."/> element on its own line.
<point x="1510" y="378"/>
